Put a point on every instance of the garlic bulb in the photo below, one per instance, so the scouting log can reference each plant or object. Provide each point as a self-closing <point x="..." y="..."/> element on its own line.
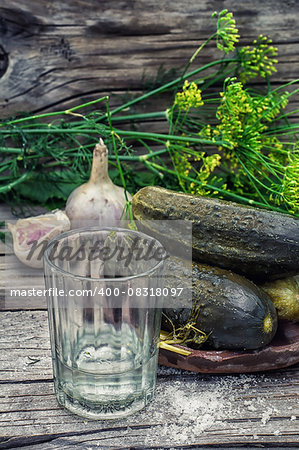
<point x="31" y="236"/>
<point x="99" y="202"/>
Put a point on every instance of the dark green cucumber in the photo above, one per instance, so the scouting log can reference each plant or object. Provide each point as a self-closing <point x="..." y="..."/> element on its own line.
<point x="257" y="243"/>
<point x="232" y="311"/>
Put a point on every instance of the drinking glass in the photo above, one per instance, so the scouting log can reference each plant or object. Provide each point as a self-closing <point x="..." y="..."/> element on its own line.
<point x="104" y="294"/>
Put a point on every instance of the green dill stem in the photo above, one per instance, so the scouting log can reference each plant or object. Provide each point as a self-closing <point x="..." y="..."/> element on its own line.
<point x="151" y="115"/>
<point x="259" y="120"/>
<point x="152" y="169"/>
<point x="86" y="132"/>
<point x="150" y="151"/>
<point x="10" y="150"/>
<point x="278" y="150"/>
<point x="134" y="134"/>
<point x="145" y="145"/>
<point x="279" y="129"/>
<point x="139" y="158"/>
<point x="168" y="137"/>
<point x="251" y="163"/>
<point x="117" y="159"/>
<point x="9" y="186"/>
<point x="252" y="154"/>
<point x="253" y="180"/>
<point x="270" y="163"/>
<point x="5" y="166"/>
<point x="287" y="114"/>
<point x="84" y="105"/>
<point x="231" y="195"/>
<point x="214" y="80"/>
<point x="163" y="114"/>
<point x="289" y="133"/>
<point x="57" y="113"/>
<point x="196" y="53"/>
<point x="286" y="85"/>
<point x="164" y="87"/>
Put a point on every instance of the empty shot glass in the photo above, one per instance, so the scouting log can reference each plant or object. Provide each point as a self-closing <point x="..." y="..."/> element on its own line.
<point x="104" y="294"/>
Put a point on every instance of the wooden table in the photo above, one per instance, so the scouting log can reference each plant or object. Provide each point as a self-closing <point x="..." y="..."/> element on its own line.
<point x="189" y="409"/>
<point x="54" y="55"/>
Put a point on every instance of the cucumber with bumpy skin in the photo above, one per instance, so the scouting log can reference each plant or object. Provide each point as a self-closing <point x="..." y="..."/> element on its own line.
<point x="285" y="297"/>
<point x="257" y="243"/>
<point x="231" y="310"/>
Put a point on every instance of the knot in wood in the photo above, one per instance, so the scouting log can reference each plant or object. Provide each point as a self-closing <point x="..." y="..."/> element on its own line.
<point x="3" y="61"/>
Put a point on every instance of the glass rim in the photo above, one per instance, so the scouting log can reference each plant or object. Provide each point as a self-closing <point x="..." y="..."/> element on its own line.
<point x="90" y="229"/>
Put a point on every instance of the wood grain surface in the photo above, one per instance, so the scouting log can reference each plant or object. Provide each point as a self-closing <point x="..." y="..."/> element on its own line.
<point x="56" y="54"/>
<point x="189" y="410"/>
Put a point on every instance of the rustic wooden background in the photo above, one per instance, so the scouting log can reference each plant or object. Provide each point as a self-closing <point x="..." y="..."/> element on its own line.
<point x="55" y="54"/>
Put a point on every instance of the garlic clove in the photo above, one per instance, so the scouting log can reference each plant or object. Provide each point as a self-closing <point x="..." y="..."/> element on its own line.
<point x="31" y="236"/>
<point x="99" y="202"/>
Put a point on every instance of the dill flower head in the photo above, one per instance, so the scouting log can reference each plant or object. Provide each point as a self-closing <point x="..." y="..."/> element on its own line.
<point x="235" y="104"/>
<point x="290" y="184"/>
<point x="190" y="97"/>
<point x="227" y="33"/>
<point x="242" y="117"/>
<point x="260" y="59"/>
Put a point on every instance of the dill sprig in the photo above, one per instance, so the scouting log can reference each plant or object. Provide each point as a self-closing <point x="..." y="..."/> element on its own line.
<point x="252" y="162"/>
<point x="236" y="144"/>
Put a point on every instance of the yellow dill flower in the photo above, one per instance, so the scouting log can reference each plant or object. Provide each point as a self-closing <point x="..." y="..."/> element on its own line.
<point x="290" y="185"/>
<point x="242" y="117"/>
<point x="190" y="97"/>
<point x="260" y="59"/>
<point x="227" y="33"/>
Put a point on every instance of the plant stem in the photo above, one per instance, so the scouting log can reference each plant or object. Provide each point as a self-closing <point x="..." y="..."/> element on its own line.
<point x="130" y="117"/>
<point x="56" y="113"/>
<point x="138" y="134"/>
<point x="113" y="134"/>
<point x="196" y="53"/>
<point x="164" y="87"/>
<point x="228" y="194"/>
<point x="9" y="186"/>
<point x="10" y="150"/>
<point x="168" y="137"/>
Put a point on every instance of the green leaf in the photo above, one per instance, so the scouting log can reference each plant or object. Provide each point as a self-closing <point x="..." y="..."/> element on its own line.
<point x="44" y="187"/>
<point x="145" y="178"/>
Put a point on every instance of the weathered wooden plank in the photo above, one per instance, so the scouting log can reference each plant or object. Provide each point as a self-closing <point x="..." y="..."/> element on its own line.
<point x="188" y="409"/>
<point x="63" y="53"/>
<point x="17" y="285"/>
<point x="25" y="348"/>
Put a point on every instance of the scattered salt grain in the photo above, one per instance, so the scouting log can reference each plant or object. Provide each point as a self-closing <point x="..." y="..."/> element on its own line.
<point x="249" y="405"/>
<point x="266" y="416"/>
<point x="189" y="406"/>
<point x="195" y="406"/>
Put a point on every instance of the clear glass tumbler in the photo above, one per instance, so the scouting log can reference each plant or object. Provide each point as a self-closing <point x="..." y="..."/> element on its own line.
<point x="104" y="293"/>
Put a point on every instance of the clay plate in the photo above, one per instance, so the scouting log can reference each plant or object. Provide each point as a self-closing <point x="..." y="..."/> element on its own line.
<point x="282" y="352"/>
